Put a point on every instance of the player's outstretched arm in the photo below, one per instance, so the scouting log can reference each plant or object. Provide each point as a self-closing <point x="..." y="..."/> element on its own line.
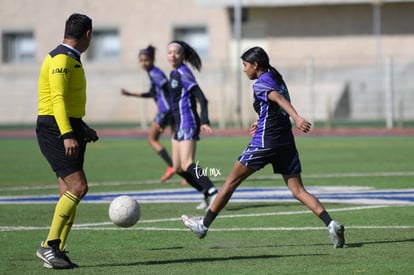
<point x="127" y="93"/>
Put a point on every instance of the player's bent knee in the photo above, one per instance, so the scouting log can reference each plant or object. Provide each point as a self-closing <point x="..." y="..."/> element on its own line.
<point x="77" y="184"/>
<point x="79" y="190"/>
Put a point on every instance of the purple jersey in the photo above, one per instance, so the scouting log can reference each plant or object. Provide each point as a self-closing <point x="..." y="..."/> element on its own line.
<point x="273" y="125"/>
<point x="159" y="90"/>
<point x="183" y="103"/>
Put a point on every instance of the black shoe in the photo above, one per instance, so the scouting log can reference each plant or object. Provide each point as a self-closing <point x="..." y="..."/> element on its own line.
<point x="65" y="256"/>
<point x="53" y="257"/>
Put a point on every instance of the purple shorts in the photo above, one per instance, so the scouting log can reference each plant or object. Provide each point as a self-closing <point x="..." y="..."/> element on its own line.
<point x="284" y="159"/>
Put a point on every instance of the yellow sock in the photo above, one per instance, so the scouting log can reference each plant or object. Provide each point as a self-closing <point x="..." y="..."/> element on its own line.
<point x="66" y="229"/>
<point x="63" y="211"/>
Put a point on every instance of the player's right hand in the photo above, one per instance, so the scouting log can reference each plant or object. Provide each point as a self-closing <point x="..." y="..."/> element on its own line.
<point x="71" y="148"/>
<point x="125" y="92"/>
<point x="253" y="128"/>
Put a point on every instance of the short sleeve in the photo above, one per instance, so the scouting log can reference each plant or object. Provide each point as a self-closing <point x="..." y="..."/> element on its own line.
<point x="187" y="78"/>
<point x="262" y="89"/>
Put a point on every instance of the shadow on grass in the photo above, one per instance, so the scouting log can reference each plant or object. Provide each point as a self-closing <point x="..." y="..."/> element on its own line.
<point x="203" y="260"/>
<point x="166" y="248"/>
<point x="238" y="246"/>
<point x="254" y="205"/>
<point x="237" y="258"/>
<point x="361" y="244"/>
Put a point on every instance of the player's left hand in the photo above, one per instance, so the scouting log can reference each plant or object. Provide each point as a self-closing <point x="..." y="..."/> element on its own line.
<point x="90" y="135"/>
<point x="207" y="128"/>
<point x="302" y="124"/>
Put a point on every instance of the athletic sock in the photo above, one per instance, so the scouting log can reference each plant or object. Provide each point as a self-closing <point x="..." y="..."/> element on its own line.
<point x="63" y="210"/>
<point x="166" y="157"/>
<point x="191" y="181"/>
<point x="212" y="191"/>
<point x="52" y="243"/>
<point x="209" y="218"/>
<point x="197" y="175"/>
<point x="324" y="216"/>
<point x="66" y="229"/>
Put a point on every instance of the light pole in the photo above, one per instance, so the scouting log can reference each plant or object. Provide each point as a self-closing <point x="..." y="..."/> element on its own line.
<point x="376" y="25"/>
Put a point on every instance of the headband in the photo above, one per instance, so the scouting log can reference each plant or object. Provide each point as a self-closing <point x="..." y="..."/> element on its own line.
<point x="176" y="43"/>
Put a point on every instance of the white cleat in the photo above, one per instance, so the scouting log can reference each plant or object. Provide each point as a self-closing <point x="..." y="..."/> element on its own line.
<point x="196" y="225"/>
<point x="337" y="234"/>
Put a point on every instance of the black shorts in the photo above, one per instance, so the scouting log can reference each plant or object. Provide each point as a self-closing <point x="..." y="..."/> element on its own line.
<point x="51" y="145"/>
<point x="284" y="159"/>
<point x="164" y="119"/>
<point x="187" y="134"/>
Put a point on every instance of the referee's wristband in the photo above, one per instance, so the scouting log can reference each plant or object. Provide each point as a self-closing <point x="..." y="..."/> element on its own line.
<point x="67" y="135"/>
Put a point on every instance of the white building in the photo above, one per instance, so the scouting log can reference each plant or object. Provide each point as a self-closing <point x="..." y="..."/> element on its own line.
<point x="333" y="54"/>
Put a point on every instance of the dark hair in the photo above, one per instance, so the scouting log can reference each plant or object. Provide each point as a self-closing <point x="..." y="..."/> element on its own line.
<point x="258" y="55"/>
<point x="76" y="26"/>
<point x="190" y="55"/>
<point x="148" y="51"/>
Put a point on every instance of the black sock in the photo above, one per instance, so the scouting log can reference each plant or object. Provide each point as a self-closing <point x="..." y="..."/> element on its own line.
<point x="197" y="174"/>
<point x="191" y="181"/>
<point x="164" y="155"/>
<point x="209" y="218"/>
<point x="324" y="216"/>
<point x="54" y="243"/>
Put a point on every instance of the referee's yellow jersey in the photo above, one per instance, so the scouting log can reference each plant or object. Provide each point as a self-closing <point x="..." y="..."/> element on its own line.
<point x="62" y="87"/>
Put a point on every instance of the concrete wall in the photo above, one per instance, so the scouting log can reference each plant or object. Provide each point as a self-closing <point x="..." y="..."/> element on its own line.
<point x="337" y="38"/>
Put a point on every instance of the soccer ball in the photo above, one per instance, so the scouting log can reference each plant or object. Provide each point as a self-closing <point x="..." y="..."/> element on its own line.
<point x="124" y="211"/>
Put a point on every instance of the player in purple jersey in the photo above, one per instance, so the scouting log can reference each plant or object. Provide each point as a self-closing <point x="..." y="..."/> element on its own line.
<point x="272" y="143"/>
<point x="159" y="92"/>
<point x="184" y="92"/>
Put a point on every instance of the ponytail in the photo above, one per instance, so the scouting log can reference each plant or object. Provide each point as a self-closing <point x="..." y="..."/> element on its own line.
<point x="275" y="73"/>
<point x="148" y="51"/>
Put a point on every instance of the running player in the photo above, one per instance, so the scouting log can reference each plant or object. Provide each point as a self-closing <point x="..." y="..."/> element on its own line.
<point x="61" y="133"/>
<point x="159" y="92"/>
<point x="184" y="91"/>
<point x="272" y="143"/>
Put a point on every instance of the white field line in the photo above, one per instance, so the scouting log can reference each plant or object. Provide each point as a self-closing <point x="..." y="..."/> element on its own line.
<point x="97" y="226"/>
<point x="245" y="215"/>
<point x="138" y="228"/>
<point x="253" y="228"/>
<point x="221" y="179"/>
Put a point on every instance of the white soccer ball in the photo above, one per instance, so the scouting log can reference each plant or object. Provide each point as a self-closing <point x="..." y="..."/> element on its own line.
<point x="124" y="211"/>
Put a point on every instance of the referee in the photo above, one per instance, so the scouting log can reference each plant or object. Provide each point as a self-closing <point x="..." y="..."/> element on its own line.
<point x="61" y="133"/>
